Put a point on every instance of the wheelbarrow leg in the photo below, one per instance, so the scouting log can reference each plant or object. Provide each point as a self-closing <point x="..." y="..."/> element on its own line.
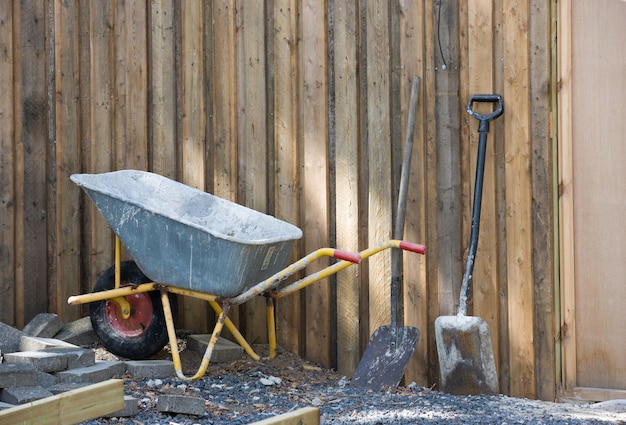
<point x="174" y="344"/>
<point x="235" y="332"/>
<point x="271" y="326"/>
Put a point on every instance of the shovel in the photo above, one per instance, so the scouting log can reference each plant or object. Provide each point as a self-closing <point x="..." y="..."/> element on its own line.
<point x="390" y="347"/>
<point x="463" y="343"/>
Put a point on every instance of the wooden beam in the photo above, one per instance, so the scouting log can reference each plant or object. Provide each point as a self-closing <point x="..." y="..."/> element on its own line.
<point x="70" y="407"/>
<point x="303" y="416"/>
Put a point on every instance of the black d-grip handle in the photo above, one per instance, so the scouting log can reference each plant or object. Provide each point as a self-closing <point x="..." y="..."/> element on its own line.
<point x="485" y="118"/>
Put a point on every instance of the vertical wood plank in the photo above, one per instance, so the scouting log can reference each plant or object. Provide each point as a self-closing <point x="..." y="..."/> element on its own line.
<point x="315" y="194"/>
<point x="448" y="174"/>
<point x="224" y="103"/>
<point x="567" y="329"/>
<point x="543" y="194"/>
<point x="32" y="138"/>
<point x="485" y="282"/>
<point x="519" y="199"/>
<point x="193" y="125"/>
<point x="252" y="136"/>
<point x="162" y="70"/>
<point x="100" y="140"/>
<point x="7" y="180"/>
<point x="379" y="152"/>
<point x="286" y="145"/>
<point x="68" y="156"/>
<point x="225" y="99"/>
<point x="431" y="62"/>
<point x="18" y="152"/>
<point x="411" y="28"/>
<point x="136" y="85"/>
<point x="347" y="180"/>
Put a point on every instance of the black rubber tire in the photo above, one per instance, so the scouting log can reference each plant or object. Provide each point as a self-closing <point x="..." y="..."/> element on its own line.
<point x="146" y="337"/>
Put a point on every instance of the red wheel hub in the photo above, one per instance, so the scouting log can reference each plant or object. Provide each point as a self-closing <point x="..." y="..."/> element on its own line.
<point x="140" y="315"/>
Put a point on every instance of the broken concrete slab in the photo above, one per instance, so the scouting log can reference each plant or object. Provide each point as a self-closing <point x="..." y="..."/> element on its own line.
<point x="174" y="403"/>
<point x="45" y="325"/>
<point x="150" y="368"/>
<point x="9" y="338"/>
<point x="76" y="357"/>
<point x="17" y="375"/>
<point x="101" y="371"/>
<point x="21" y="395"/>
<point x="224" y="350"/>
<point x="46" y="380"/>
<point x="43" y="361"/>
<point x="78" y="332"/>
<point x="33" y="343"/>
<point x="131" y="408"/>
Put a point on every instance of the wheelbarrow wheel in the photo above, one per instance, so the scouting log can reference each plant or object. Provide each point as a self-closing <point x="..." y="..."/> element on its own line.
<point x="139" y="336"/>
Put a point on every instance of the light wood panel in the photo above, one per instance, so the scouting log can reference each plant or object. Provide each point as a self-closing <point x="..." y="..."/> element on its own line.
<point x="315" y="179"/>
<point x="597" y="176"/>
<point x="347" y="181"/>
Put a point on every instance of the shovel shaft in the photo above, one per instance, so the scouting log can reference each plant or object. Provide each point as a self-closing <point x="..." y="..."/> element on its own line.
<point x="483" y="130"/>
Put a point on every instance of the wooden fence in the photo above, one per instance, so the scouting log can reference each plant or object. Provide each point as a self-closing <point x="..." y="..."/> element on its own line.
<point x="296" y="108"/>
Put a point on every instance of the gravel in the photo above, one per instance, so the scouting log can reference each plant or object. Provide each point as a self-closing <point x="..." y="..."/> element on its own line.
<point x="245" y="391"/>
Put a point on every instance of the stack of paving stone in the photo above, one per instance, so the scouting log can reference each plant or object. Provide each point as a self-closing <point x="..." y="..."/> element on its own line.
<point x="46" y="358"/>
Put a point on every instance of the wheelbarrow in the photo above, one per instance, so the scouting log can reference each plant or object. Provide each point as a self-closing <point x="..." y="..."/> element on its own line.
<point x="187" y="242"/>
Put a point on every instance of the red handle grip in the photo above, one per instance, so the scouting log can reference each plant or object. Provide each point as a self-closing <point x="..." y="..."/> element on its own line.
<point x="347" y="256"/>
<point x="413" y="247"/>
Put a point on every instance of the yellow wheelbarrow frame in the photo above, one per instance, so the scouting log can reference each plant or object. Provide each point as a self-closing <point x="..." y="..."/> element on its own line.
<point x="221" y="305"/>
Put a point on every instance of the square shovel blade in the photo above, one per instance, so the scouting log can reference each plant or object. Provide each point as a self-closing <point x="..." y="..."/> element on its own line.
<point x="465" y="355"/>
<point x="386" y="357"/>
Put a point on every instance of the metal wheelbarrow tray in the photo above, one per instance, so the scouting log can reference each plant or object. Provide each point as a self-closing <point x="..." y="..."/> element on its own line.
<point x="188" y="242"/>
<point x="186" y="238"/>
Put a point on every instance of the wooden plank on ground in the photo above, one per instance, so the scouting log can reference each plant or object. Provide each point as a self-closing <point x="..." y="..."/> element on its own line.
<point x="286" y="150"/>
<point x="315" y="176"/>
<point x="194" y="126"/>
<point x="70" y="407"/>
<point x="415" y="301"/>
<point x="68" y="158"/>
<point x="7" y="179"/>
<point x="252" y="137"/>
<point x="303" y="416"/>
<point x="379" y="152"/>
<point x="347" y="182"/>
<point x="519" y="199"/>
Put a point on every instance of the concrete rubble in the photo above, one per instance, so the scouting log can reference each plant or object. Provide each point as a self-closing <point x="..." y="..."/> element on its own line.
<point x="48" y="357"/>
